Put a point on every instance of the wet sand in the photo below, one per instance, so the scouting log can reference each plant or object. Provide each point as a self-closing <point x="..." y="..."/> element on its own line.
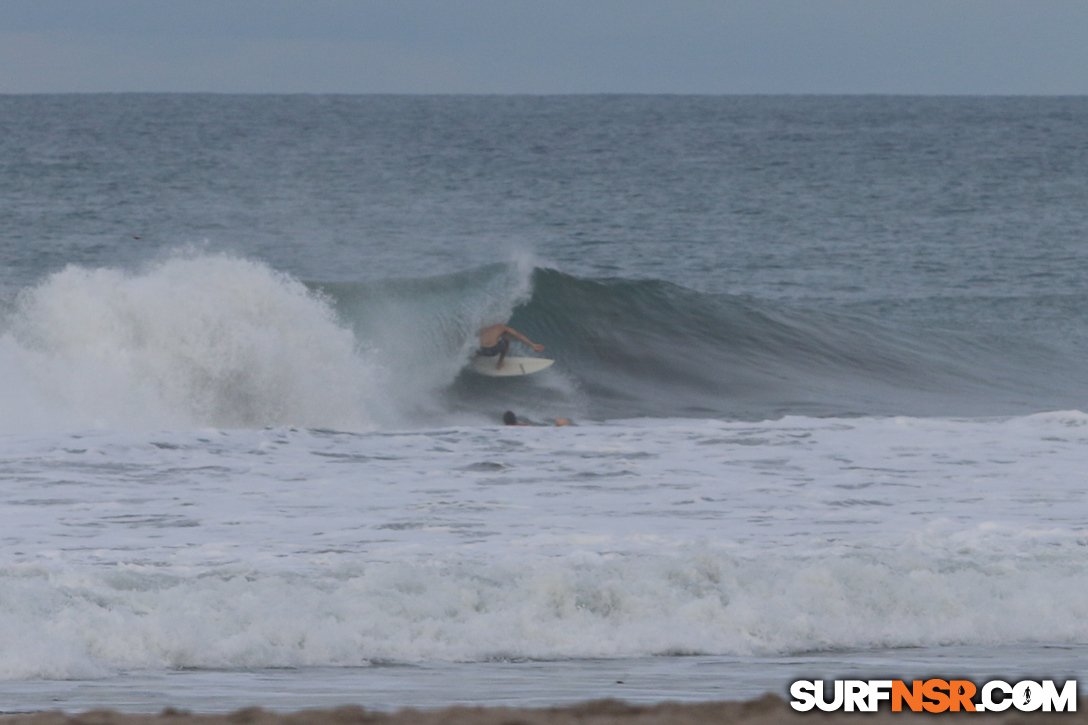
<point x="767" y="710"/>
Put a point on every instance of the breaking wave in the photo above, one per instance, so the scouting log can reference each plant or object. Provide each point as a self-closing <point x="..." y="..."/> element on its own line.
<point x="219" y="341"/>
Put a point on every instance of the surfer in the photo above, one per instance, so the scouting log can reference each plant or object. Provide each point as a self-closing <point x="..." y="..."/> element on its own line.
<point x="495" y="340"/>
<point x="510" y="418"/>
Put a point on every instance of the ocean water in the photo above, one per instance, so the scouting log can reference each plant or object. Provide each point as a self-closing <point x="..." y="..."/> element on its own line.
<point x="824" y="357"/>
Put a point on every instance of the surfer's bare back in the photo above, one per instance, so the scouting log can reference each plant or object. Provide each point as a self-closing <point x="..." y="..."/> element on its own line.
<point x="495" y="340"/>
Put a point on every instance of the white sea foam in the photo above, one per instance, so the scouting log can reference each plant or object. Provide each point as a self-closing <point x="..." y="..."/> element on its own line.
<point x="79" y="624"/>
<point x="288" y="547"/>
<point x="212" y="340"/>
<point x="207" y="340"/>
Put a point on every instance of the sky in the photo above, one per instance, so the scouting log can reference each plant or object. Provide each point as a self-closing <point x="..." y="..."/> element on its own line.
<point x="941" y="47"/>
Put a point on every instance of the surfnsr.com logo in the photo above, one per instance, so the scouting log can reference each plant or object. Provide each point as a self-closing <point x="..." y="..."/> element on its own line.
<point x="934" y="696"/>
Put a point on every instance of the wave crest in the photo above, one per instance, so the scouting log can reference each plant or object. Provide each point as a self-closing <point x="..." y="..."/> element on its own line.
<point x="200" y="341"/>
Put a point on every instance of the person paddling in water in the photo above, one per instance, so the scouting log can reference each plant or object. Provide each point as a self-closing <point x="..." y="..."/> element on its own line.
<point x="495" y="340"/>
<point x="510" y="418"/>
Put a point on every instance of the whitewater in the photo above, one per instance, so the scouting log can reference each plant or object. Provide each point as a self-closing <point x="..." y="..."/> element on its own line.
<point x="289" y="547"/>
<point x="824" y="359"/>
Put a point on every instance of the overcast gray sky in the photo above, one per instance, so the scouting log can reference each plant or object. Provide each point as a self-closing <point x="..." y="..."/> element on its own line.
<point x="545" y="46"/>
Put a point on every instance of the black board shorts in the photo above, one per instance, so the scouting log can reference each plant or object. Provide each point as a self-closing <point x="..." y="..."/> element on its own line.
<point x="500" y="347"/>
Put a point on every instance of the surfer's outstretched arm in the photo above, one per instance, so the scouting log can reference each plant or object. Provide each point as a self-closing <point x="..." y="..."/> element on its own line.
<point x="492" y="334"/>
<point x="523" y="338"/>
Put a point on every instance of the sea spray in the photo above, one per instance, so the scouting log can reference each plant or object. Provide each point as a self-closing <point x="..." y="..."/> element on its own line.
<point x="192" y="341"/>
<point x="422" y="332"/>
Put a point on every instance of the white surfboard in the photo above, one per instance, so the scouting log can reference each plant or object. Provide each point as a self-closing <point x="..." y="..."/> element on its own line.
<point x="510" y="366"/>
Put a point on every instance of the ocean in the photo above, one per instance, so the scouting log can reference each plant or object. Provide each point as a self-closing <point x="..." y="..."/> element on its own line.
<point x="823" y="358"/>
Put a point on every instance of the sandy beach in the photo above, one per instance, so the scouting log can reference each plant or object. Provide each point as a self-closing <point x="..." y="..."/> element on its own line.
<point x="767" y="710"/>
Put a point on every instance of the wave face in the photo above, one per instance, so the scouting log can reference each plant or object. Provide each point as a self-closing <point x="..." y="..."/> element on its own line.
<point x="631" y="348"/>
<point x="212" y="340"/>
